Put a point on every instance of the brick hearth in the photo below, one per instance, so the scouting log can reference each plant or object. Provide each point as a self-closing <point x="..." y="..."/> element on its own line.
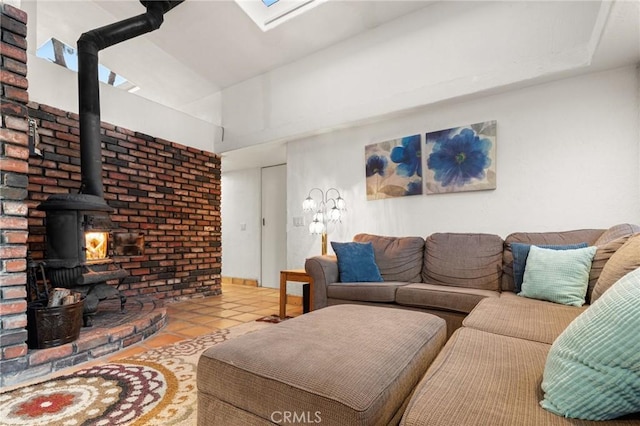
<point x="112" y="331"/>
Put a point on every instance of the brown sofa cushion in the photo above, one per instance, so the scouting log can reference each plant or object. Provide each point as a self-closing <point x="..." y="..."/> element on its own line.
<point x="365" y="292"/>
<point x="448" y="298"/>
<point x="481" y="378"/>
<point x="524" y="318"/>
<point x="604" y="253"/>
<point x="398" y="258"/>
<point x="463" y="260"/>
<point x="623" y="261"/>
<point x="617" y="231"/>
<point x="588" y="236"/>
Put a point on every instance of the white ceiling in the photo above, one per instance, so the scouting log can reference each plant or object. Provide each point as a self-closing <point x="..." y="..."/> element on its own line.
<point x="204" y="46"/>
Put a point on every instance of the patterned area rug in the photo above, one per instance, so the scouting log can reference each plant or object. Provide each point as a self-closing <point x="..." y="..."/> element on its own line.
<point x="274" y="319"/>
<point x="157" y="387"/>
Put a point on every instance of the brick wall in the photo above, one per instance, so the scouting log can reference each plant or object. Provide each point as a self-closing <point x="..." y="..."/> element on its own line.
<point x="14" y="153"/>
<point x="168" y="192"/>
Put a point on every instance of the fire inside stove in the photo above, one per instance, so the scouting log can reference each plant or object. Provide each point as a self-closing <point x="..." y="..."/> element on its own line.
<point x="96" y="244"/>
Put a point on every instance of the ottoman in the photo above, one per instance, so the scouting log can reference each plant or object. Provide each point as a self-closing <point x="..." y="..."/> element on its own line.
<point x="341" y="365"/>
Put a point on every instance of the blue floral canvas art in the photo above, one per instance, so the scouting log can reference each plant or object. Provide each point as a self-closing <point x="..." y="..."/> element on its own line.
<point x="461" y="159"/>
<point x="394" y="168"/>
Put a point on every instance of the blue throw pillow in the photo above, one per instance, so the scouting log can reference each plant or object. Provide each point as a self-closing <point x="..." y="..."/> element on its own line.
<point x="356" y="262"/>
<point x="520" y="253"/>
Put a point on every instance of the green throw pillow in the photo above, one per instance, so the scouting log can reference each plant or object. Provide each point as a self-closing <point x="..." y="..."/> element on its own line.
<point x="593" y="367"/>
<point x="559" y="276"/>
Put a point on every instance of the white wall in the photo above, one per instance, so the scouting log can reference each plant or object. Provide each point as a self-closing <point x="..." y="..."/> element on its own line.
<point x="53" y="85"/>
<point x="567" y="158"/>
<point x="241" y="205"/>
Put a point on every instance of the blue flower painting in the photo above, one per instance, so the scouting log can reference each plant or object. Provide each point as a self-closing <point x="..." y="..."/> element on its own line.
<point x="394" y="168"/>
<point x="461" y="159"/>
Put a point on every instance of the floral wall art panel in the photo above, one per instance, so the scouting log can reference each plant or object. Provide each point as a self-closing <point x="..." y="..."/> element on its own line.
<point x="394" y="168"/>
<point x="461" y="159"/>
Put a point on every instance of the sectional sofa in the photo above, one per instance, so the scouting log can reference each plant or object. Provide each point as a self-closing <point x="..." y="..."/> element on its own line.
<point x="448" y="274"/>
<point x="491" y="369"/>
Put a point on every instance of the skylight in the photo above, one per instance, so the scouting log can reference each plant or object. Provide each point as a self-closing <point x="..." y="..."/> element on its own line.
<point x="268" y="14"/>
<point x="66" y="56"/>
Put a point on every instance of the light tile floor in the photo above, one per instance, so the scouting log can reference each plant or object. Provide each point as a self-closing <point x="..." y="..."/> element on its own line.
<point x="191" y="318"/>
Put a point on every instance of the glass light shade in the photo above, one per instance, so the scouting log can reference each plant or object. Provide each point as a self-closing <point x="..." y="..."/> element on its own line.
<point x="334" y="215"/>
<point x="340" y="203"/>
<point x="318" y="216"/>
<point x="308" y="204"/>
<point x="316" y="227"/>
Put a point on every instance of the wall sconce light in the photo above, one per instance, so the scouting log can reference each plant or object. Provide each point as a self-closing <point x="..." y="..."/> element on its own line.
<point x="327" y="209"/>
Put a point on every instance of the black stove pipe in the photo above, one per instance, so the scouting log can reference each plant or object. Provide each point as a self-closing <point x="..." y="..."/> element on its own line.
<point x="89" y="44"/>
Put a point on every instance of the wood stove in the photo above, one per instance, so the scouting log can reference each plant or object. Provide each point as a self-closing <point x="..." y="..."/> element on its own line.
<point x="77" y="252"/>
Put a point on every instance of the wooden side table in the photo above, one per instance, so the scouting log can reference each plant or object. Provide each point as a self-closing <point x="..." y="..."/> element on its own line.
<point x="297" y="275"/>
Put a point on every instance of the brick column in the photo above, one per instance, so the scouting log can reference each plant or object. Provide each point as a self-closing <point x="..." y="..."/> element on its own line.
<point x="14" y="168"/>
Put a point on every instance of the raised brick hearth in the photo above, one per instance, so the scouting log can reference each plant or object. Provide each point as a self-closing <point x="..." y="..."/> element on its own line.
<point x="168" y="192"/>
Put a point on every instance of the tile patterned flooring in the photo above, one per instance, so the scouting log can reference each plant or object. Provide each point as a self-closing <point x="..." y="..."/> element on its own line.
<point x="191" y="318"/>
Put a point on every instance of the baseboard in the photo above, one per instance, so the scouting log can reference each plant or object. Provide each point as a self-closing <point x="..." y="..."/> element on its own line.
<point x="240" y="281"/>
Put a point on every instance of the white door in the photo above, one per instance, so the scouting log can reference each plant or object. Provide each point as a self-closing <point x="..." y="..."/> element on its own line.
<point x="274" y="224"/>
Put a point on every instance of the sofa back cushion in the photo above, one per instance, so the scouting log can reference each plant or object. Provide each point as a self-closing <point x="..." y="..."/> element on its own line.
<point x="463" y="260"/>
<point x="625" y="260"/>
<point x="588" y="236"/>
<point x="398" y="258"/>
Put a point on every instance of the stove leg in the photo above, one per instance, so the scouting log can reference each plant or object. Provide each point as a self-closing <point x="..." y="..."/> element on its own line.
<point x="123" y="300"/>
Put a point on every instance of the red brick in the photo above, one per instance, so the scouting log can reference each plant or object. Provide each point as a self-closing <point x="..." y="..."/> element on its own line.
<point x="54" y="111"/>
<point x="13" y="279"/>
<point x="43" y="356"/>
<point x="14" y="13"/>
<point x="13" y="252"/>
<point x="14" y="208"/>
<point x="11" y="136"/>
<point x="15" y="265"/>
<point x="121" y="332"/>
<point x="14" y="237"/>
<point x="12" y="322"/>
<point x="13" y="52"/>
<point x="16" y="94"/>
<point x="16" y="351"/>
<point x="11" y="165"/>
<point x="17" y="123"/>
<point x="14" y="292"/>
<point x="19" y="152"/>
<point x="92" y="340"/>
<point x="15" y="66"/>
<point x="16" y="307"/>
<point x="9" y="222"/>
<point x="7" y="77"/>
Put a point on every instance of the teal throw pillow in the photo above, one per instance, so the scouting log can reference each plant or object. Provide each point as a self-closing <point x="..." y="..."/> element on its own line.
<point x="560" y="276"/>
<point x="356" y="262"/>
<point x="593" y="368"/>
<point x="520" y="252"/>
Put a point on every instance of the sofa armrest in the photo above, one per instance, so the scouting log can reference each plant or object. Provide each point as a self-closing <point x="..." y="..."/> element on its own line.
<point x="324" y="271"/>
